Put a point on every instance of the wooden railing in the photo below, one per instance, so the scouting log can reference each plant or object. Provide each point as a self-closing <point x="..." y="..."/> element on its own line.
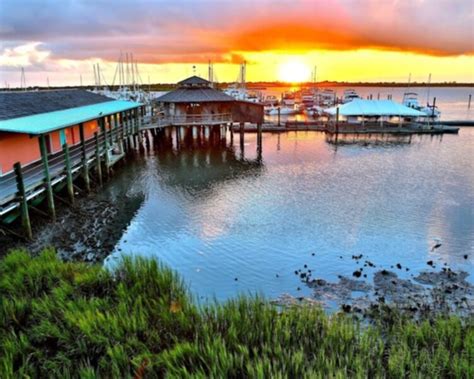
<point x="33" y="174"/>
<point x="160" y="121"/>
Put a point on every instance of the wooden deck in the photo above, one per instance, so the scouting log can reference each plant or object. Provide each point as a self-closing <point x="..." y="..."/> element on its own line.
<point x="108" y="148"/>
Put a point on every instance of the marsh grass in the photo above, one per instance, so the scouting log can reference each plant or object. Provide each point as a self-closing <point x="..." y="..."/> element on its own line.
<point x="68" y="320"/>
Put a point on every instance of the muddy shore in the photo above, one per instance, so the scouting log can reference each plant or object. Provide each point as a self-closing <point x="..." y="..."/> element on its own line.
<point x="87" y="231"/>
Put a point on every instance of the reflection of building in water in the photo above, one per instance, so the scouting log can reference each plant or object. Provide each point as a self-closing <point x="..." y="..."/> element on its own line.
<point x="199" y="156"/>
<point x="195" y="104"/>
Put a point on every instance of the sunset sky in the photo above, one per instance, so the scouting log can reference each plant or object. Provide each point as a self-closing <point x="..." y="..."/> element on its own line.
<point x="352" y="40"/>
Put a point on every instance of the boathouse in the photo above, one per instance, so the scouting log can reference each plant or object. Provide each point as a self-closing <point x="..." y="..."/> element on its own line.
<point x="360" y="111"/>
<point x="50" y="138"/>
<point x="194" y="101"/>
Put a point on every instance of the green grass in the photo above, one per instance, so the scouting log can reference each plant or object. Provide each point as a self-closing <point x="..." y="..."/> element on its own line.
<point x="68" y="320"/>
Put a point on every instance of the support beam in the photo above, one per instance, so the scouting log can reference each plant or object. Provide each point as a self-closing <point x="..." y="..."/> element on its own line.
<point x="85" y="166"/>
<point x="47" y="177"/>
<point x="25" y="215"/>
<point x="69" y="180"/>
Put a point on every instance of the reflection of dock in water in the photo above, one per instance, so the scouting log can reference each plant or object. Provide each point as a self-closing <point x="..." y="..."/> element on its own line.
<point x="374" y="139"/>
<point x="199" y="155"/>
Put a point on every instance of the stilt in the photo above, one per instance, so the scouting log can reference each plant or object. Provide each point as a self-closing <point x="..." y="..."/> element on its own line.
<point x="69" y="180"/>
<point x="47" y="177"/>
<point x="259" y="141"/>
<point x="105" y="147"/>
<point x="98" y="163"/>
<point x="25" y="216"/>
<point x="85" y="168"/>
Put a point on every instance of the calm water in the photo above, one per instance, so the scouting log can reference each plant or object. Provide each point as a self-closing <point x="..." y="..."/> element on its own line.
<point x="215" y="213"/>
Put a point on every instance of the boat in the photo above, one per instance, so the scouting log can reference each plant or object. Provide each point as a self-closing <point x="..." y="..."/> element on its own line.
<point x="288" y="99"/>
<point x="271" y="100"/>
<point x="315" y="111"/>
<point x="283" y="110"/>
<point x="349" y="95"/>
<point x="307" y="96"/>
<point x="410" y="99"/>
<point x="326" y="98"/>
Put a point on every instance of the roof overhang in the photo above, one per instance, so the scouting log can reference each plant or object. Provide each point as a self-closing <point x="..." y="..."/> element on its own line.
<point x="51" y="121"/>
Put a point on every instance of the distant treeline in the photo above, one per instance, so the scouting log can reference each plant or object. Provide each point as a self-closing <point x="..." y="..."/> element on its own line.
<point x="262" y="85"/>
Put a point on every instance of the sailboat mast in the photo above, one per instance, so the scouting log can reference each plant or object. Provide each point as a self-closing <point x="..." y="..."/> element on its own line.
<point x="428" y="91"/>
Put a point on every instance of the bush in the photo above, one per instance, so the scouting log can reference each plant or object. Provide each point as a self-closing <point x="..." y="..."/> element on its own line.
<point x="75" y="320"/>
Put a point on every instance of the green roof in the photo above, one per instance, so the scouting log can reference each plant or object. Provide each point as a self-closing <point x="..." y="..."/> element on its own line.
<point x="48" y="122"/>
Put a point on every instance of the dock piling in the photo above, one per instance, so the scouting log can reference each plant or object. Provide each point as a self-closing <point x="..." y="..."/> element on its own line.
<point x="85" y="166"/>
<point x="25" y="216"/>
<point x="98" y="163"/>
<point x="47" y="177"/>
<point x="69" y="179"/>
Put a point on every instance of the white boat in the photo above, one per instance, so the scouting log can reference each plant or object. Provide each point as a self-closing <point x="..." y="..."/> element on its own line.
<point x="271" y="100"/>
<point x="326" y="98"/>
<point x="284" y="110"/>
<point x="349" y="95"/>
<point x="314" y="111"/>
<point x="288" y="99"/>
<point x="410" y="99"/>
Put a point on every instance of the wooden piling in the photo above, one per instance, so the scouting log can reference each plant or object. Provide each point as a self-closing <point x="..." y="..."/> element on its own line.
<point x="85" y="166"/>
<point x="69" y="179"/>
<point x="47" y="177"/>
<point x="469" y="102"/>
<point x="98" y="163"/>
<point x="25" y="215"/>
<point x="105" y="147"/>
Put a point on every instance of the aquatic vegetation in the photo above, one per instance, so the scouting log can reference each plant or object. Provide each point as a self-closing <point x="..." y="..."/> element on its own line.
<point x="64" y="319"/>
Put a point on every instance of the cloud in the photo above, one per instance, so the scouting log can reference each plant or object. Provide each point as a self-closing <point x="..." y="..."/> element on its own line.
<point x="182" y="31"/>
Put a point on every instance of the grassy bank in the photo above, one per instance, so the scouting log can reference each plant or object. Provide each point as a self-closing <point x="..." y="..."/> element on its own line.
<point x="75" y="320"/>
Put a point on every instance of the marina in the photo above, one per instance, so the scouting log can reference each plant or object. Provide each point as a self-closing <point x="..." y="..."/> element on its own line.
<point x="253" y="189"/>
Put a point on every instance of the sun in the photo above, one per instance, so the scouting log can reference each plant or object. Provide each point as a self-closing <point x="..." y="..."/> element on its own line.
<point x="293" y="71"/>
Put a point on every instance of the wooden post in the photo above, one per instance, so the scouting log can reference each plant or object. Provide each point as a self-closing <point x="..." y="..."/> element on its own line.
<point x="279" y="114"/>
<point x="98" y="163"/>
<point x="469" y="101"/>
<point x="337" y="120"/>
<point x="242" y="138"/>
<point x="70" y="185"/>
<point x="25" y="215"/>
<point x="85" y="166"/>
<point x="106" y="147"/>
<point x="259" y="140"/>
<point x="434" y="106"/>
<point x="47" y="177"/>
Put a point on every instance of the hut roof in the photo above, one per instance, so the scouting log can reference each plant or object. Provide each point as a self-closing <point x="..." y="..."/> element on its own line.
<point x="27" y="103"/>
<point x="360" y="107"/>
<point x="194" y="81"/>
<point x="194" y="90"/>
<point x="50" y="121"/>
<point x="194" y="95"/>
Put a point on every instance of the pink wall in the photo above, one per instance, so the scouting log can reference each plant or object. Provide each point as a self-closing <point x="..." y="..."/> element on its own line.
<point x="15" y="147"/>
<point x="19" y="147"/>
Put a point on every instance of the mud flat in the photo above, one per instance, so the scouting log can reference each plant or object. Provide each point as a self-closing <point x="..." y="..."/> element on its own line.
<point x="428" y="293"/>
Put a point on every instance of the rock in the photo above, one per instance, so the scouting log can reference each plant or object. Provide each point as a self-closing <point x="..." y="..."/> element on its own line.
<point x="357" y="274"/>
<point x="399" y="266"/>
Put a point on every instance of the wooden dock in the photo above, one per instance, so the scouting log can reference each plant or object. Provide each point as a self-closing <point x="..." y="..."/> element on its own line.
<point x="24" y="188"/>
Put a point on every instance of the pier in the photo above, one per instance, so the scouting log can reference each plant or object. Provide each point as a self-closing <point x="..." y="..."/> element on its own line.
<point x="79" y="145"/>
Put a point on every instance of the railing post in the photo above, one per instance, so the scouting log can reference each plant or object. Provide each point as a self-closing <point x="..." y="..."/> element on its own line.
<point x="25" y="216"/>
<point x="70" y="187"/>
<point x="85" y="166"/>
<point x="47" y="177"/>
